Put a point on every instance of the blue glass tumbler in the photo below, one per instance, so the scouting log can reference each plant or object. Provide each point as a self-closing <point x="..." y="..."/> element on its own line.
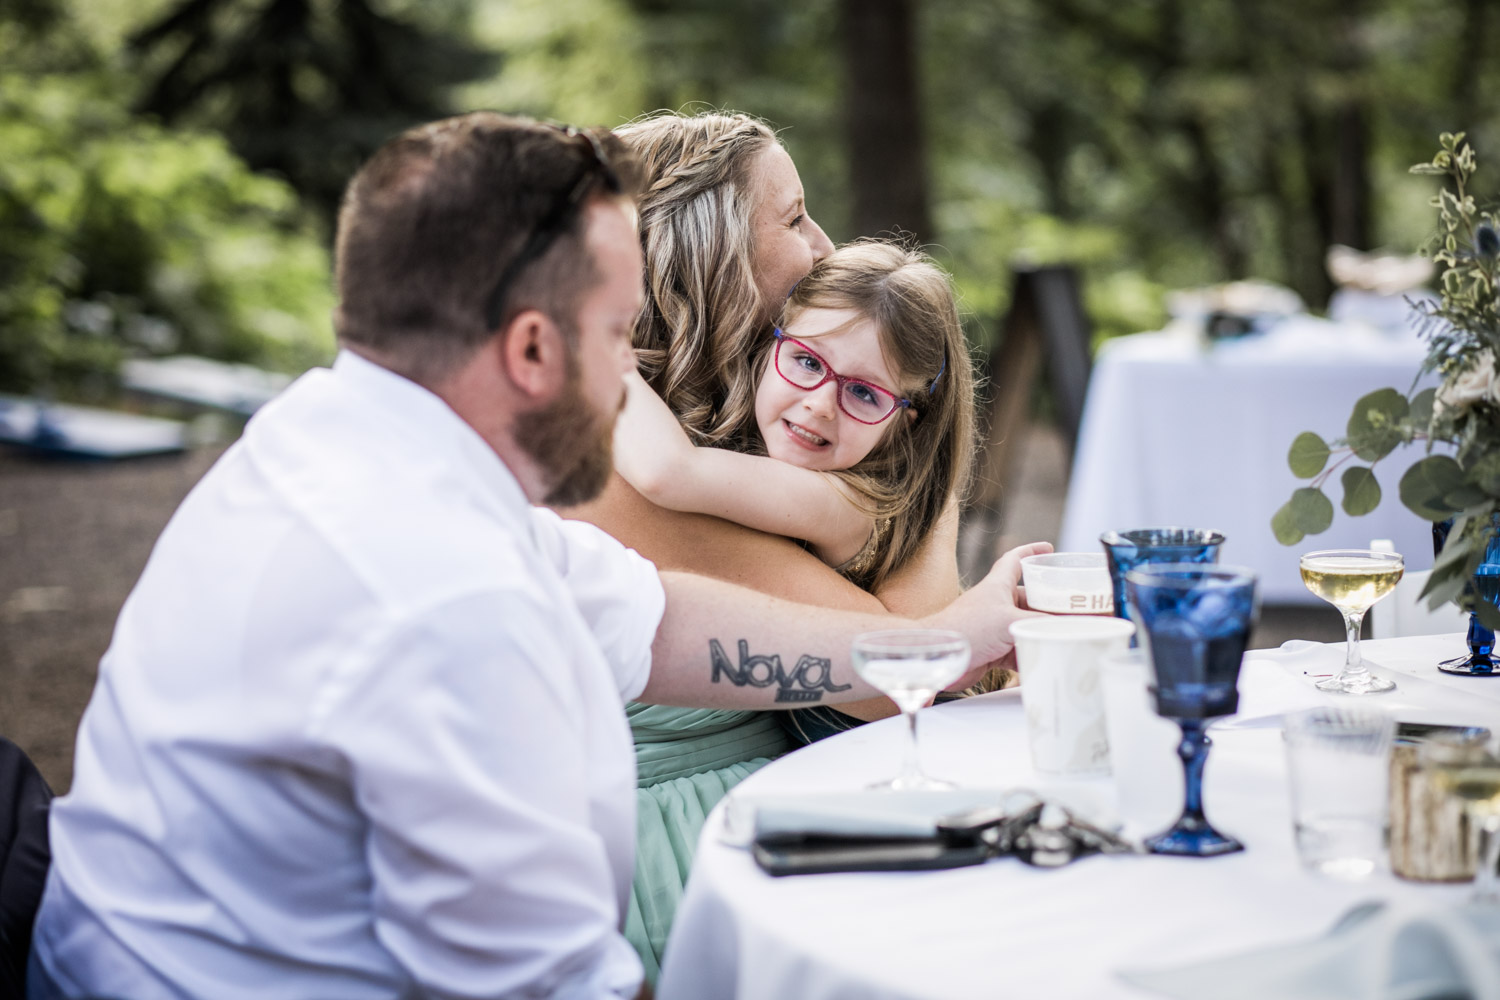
<point x="1125" y="550"/>
<point x="1196" y="620"/>
<point x="1480" y="660"/>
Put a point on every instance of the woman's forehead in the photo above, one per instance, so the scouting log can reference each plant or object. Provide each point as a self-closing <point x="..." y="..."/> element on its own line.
<point x="774" y="180"/>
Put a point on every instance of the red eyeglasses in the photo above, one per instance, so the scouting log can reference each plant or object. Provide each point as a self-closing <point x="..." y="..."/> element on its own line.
<point x="804" y="368"/>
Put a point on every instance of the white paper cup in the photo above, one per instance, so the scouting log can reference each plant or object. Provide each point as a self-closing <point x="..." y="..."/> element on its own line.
<point x="1142" y="746"/>
<point x="1059" y="663"/>
<point x="1068" y="583"/>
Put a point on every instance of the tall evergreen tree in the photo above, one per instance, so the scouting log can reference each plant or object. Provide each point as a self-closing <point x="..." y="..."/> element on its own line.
<point x="304" y="88"/>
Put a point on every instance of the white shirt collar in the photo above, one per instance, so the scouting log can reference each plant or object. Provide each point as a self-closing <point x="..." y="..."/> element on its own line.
<point x="424" y="419"/>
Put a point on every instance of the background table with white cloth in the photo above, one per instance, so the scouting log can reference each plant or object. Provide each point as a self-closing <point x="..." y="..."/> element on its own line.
<point x="1178" y="433"/>
<point x="1003" y="929"/>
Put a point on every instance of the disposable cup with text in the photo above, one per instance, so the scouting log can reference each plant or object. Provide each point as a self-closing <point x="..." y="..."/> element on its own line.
<point x="1068" y="583"/>
<point x="1059" y="662"/>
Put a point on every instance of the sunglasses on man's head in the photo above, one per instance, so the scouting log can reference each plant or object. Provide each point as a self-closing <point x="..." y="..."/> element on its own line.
<point x="805" y="368"/>
<point x="556" y="220"/>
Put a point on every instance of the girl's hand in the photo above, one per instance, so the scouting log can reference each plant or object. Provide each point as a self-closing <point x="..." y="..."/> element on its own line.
<point x="985" y="613"/>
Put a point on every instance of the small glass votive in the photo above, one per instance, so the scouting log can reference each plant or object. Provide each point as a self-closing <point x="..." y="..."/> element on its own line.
<point x="1430" y="836"/>
<point x="1068" y="583"/>
<point x="1338" y="761"/>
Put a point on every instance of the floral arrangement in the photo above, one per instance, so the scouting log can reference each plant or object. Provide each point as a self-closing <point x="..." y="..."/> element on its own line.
<point x="1459" y="419"/>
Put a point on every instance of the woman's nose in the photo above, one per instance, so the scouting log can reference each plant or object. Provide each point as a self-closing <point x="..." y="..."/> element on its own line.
<point x="818" y="240"/>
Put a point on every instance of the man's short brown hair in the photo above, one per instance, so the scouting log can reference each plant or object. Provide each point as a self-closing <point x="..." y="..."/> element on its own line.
<point x="437" y="215"/>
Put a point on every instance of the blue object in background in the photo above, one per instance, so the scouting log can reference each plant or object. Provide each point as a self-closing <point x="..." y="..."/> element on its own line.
<point x="1480" y="661"/>
<point x="1196" y="622"/>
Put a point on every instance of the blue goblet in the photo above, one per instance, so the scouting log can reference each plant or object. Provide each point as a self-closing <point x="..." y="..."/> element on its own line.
<point x="1125" y="550"/>
<point x="1196" y="620"/>
<point x="1480" y="661"/>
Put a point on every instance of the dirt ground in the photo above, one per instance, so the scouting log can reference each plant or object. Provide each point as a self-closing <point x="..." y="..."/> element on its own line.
<point x="75" y="535"/>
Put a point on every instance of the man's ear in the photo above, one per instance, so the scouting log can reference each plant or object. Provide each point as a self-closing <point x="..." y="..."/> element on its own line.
<point x="533" y="355"/>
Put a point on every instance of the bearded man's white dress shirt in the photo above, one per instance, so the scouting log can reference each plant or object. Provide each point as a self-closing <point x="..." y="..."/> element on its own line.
<point x="359" y="732"/>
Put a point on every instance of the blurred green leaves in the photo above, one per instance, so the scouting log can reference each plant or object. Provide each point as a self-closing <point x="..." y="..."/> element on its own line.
<point x="1308" y="455"/>
<point x="118" y="237"/>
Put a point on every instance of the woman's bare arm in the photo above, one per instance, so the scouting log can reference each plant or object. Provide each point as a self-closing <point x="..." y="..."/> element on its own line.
<point x="654" y="455"/>
<point x="697" y="543"/>
<point x="929" y="581"/>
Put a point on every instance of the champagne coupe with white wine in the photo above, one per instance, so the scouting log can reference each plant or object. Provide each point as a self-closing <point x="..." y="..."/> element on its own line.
<point x="911" y="666"/>
<point x="1352" y="580"/>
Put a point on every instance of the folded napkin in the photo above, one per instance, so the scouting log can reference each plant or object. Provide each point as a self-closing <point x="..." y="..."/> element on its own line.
<point x="1269" y="690"/>
<point x="1376" y="951"/>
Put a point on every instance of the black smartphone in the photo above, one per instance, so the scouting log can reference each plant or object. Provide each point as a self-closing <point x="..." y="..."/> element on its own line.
<point x="822" y="855"/>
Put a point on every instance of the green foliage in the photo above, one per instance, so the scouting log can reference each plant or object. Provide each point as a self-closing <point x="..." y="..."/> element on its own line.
<point x="1376" y="425"/>
<point x="1462" y="413"/>
<point x="1308" y="456"/>
<point x="1308" y="512"/>
<point x="307" y="89"/>
<point x="1426" y="486"/>
<point x="118" y="237"/>
<point x="1361" y="491"/>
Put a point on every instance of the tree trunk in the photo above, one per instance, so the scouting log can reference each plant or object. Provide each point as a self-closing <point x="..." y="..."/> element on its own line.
<point x="887" y="148"/>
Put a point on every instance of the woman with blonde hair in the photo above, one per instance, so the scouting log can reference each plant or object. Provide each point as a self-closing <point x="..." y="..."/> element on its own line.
<point x="727" y="237"/>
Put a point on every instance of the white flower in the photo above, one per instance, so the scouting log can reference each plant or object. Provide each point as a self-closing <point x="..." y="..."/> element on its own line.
<point x="1471" y="384"/>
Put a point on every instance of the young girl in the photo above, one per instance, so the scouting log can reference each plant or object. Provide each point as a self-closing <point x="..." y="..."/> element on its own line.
<point x="862" y="424"/>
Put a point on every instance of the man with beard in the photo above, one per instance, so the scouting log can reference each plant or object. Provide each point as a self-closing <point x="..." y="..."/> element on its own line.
<point x="360" y="730"/>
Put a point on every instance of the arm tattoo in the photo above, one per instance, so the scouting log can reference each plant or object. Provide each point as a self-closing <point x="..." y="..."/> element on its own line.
<point x="805" y="683"/>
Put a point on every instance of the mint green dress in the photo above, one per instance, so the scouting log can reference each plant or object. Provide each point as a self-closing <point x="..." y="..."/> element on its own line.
<point x="687" y="759"/>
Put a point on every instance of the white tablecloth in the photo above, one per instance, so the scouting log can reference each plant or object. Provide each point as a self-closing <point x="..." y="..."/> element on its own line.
<point x="1175" y="434"/>
<point x="1007" y="930"/>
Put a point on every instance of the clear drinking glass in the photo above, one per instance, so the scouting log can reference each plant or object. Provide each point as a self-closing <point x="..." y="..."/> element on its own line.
<point x="1352" y="580"/>
<point x="1339" y="765"/>
<point x="910" y="666"/>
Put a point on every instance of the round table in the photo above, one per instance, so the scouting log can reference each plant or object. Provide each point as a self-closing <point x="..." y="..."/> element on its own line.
<point x="1003" y="929"/>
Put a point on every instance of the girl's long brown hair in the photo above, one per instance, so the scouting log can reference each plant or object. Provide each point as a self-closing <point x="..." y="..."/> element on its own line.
<point x="925" y="454"/>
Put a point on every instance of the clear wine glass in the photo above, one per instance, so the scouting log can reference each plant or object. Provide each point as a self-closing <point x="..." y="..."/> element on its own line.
<point x="911" y="666"/>
<point x="1352" y="580"/>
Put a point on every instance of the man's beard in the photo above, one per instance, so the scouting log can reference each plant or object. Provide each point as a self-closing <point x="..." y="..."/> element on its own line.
<point x="572" y="441"/>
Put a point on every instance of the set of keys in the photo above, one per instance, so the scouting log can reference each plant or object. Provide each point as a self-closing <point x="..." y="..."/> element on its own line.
<point x="1041" y="833"/>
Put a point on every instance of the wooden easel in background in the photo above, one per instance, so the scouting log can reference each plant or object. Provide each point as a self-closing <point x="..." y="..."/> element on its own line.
<point x="1045" y="326"/>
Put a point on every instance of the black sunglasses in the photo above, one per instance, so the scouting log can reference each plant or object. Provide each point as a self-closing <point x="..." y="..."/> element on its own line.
<point x="557" y="220"/>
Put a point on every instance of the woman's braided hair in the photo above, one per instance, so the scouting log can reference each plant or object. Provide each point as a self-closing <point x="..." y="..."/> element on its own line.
<point x="703" y="315"/>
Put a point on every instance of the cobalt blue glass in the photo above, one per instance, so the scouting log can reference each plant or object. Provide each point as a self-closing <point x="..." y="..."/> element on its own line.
<point x="1125" y="550"/>
<point x="1480" y="661"/>
<point x="1196" y="621"/>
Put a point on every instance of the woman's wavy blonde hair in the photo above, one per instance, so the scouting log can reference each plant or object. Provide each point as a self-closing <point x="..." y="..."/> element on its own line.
<point x="704" y="315"/>
<point x="924" y="457"/>
<point x="703" y="338"/>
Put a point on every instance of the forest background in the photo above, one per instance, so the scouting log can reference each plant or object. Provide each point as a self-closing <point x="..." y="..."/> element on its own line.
<point x="169" y="169"/>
